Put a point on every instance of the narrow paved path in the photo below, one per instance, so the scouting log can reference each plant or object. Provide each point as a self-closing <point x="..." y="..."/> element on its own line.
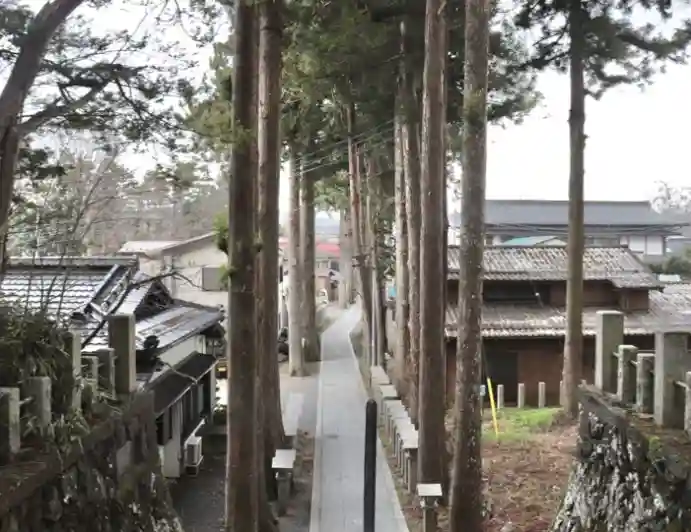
<point x="339" y="443"/>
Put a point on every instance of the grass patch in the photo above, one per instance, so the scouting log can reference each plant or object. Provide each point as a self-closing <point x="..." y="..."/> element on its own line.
<point x="519" y="423"/>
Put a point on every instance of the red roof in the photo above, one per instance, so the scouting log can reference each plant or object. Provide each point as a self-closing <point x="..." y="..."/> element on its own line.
<point x="323" y="248"/>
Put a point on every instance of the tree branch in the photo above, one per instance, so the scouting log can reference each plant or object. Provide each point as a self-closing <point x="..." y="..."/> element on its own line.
<point x="33" y="46"/>
<point x="56" y="109"/>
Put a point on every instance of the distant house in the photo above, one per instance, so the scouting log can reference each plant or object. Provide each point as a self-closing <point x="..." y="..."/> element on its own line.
<point x="524" y="311"/>
<point x="185" y="337"/>
<point x="198" y="267"/>
<point x="607" y="223"/>
<point x="198" y="263"/>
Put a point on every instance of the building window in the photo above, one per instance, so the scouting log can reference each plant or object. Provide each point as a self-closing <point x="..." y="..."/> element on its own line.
<point x="211" y="278"/>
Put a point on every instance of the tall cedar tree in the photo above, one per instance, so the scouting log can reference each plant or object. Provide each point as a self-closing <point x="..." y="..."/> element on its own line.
<point x="432" y="364"/>
<point x="466" y="482"/>
<point x="604" y="49"/>
<point x="270" y="421"/>
<point x="241" y="460"/>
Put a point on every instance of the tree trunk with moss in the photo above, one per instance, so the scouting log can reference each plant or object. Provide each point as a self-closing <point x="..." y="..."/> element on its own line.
<point x="466" y="482"/>
<point x="358" y="221"/>
<point x="573" y="345"/>
<point x="411" y="167"/>
<point x="432" y="353"/>
<point x="241" y="471"/>
<point x="307" y="265"/>
<point x="270" y="433"/>
<point x="345" y="287"/>
<point x="296" y="362"/>
<point x="401" y="242"/>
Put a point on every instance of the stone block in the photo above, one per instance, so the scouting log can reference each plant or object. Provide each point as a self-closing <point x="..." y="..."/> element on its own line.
<point x="38" y="390"/>
<point x="671" y="359"/>
<point x="121" y="338"/>
<point x="10" y="431"/>
<point x="609" y="336"/>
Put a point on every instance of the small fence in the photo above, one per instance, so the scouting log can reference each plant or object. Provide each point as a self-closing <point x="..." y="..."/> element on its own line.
<point x="109" y="372"/>
<point x="654" y="384"/>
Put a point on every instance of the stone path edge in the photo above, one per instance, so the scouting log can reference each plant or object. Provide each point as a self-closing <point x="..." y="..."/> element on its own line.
<point x="381" y="452"/>
<point x="315" y="510"/>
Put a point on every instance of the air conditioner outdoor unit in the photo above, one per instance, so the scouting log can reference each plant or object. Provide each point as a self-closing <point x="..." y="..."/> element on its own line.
<point x="193" y="455"/>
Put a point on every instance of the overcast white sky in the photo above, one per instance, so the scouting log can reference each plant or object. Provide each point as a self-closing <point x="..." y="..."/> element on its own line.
<point x="635" y="138"/>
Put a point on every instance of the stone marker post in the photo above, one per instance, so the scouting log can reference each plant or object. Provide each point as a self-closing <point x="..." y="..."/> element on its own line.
<point x="122" y="340"/>
<point x="500" y="396"/>
<point x="73" y="345"/>
<point x="521" y="395"/>
<point x="10" y="435"/>
<point x="671" y="353"/>
<point x="39" y="390"/>
<point x="626" y="374"/>
<point x="106" y="370"/>
<point x="541" y="395"/>
<point x="644" y="384"/>
<point x="609" y="336"/>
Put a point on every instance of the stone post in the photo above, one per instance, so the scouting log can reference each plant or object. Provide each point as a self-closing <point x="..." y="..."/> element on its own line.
<point x="121" y="339"/>
<point x="671" y="352"/>
<point x="500" y="396"/>
<point x="687" y="409"/>
<point x="429" y="495"/>
<point x="609" y="335"/>
<point x="541" y="395"/>
<point x="73" y="345"/>
<point x="626" y="374"/>
<point x="644" y="384"/>
<point x="10" y="431"/>
<point x="38" y="389"/>
<point x="106" y="370"/>
<point x="521" y="395"/>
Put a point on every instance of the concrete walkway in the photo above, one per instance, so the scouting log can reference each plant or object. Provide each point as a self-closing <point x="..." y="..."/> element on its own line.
<point x="339" y="443"/>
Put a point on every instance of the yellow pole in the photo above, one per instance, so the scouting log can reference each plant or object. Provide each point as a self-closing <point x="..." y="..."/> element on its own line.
<point x="493" y="407"/>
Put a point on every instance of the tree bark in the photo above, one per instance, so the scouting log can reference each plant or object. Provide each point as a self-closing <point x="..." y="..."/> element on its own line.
<point x="270" y="430"/>
<point x="358" y="221"/>
<point x="411" y="166"/>
<point x="345" y="287"/>
<point x="401" y="238"/>
<point x="466" y="483"/>
<point x="241" y="473"/>
<point x="296" y="361"/>
<point x="573" y="346"/>
<point x="307" y="256"/>
<point x="432" y="365"/>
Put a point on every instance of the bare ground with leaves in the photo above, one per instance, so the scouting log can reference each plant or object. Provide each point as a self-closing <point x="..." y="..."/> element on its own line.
<point x="525" y="469"/>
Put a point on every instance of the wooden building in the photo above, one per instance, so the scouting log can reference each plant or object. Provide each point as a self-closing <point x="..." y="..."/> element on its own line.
<point x="524" y="311"/>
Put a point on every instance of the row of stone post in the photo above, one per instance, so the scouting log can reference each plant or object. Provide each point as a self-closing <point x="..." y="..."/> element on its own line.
<point x="650" y="381"/>
<point x="109" y="371"/>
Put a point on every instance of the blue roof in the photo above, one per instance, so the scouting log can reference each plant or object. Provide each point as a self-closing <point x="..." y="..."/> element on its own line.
<point x="530" y="241"/>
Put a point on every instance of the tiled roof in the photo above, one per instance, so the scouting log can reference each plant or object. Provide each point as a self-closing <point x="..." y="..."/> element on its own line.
<point x="550" y="263"/>
<point x="522" y="213"/>
<point x="84" y="290"/>
<point x="669" y="311"/>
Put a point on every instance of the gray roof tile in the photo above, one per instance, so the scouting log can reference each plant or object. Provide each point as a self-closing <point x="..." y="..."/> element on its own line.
<point x="669" y="311"/>
<point x="556" y="213"/>
<point x="550" y="263"/>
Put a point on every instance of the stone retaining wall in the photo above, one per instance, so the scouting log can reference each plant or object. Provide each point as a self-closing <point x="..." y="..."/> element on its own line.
<point x="630" y="475"/>
<point x="108" y="482"/>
